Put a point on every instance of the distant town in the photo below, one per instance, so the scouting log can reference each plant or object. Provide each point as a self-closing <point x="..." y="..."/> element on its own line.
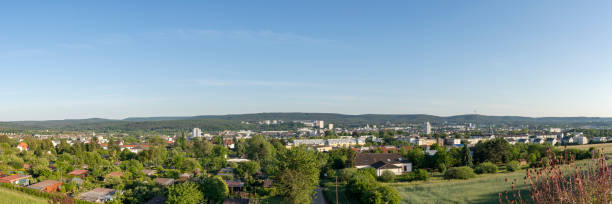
<point x="253" y="165"/>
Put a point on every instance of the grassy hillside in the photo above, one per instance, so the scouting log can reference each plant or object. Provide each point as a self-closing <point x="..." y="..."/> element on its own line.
<point x="16" y="197"/>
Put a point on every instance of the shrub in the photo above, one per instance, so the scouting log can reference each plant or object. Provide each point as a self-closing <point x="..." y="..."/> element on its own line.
<point x="486" y="168"/>
<point x="420" y="174"/>
<point x="417" y="175"/>
<point x="346" y="174"/>
<point x="387" y="176"/>
<point x="462" y="172"/>
<point x="512" y="166"/>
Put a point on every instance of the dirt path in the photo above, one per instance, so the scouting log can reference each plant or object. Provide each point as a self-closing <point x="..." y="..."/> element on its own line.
<point x="318" y="199"/>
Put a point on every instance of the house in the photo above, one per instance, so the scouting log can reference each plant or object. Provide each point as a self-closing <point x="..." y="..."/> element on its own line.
<point x="226" y="172"/>
<point x="522" y="162"/>
<point x="49" y="186"/>
<point x="164" y="181"/>
<point x="523" y="141"/>
<point x="98" y="195"/>
<point x="148" y="172"/>
<point x="582" y="140"/>
<point x="77" y="180"/>
<point x="382" y="162"/>
<point x="234" y="185"/>
<point x="452" y="141"/>
<point x="267" y="183"/>
<point x="228" y="142"/>
<point x="538" y="141"/>
<point x="114" y="174"/>
<point x="185" y="176"/>
<point x="23" y="180"/>
<point x="22" y="146"/>
<point x="568" y="140"/>
<point x="80" y="173"/>
<point x="600" y="139"/>
<point x="551" y="141"/>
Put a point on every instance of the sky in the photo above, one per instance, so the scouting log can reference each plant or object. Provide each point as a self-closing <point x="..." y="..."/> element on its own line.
<point x="117" y="59"/>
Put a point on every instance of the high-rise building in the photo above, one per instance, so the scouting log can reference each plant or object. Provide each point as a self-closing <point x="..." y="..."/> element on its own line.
<point x="196" y="133"/>
<point x="321" y="124"/>
<point x="331" y="126"/>
<point x="427" y="128"/>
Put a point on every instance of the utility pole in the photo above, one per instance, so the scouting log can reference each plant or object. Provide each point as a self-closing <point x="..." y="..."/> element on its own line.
<point x="336" y="189"/>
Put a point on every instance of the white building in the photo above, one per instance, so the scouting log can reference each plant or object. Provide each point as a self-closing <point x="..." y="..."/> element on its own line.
<point x="581" y="140"/>
<point x="321" y="124"/>
<point x="427" y="128"/>
<point x="331" y="126"/>
<point x="196" y="133"/>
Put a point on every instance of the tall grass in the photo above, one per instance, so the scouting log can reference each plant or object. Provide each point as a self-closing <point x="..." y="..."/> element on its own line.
<point x="561" y="180"/>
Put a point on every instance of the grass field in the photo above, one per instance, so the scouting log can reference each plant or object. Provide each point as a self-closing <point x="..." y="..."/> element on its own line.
<point x="16" y="197"/>
<point x="607" y="147"/>
<point x="483" y="189"/>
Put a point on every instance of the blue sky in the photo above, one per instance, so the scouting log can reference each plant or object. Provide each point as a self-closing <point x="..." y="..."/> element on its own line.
<point x="116" y="59"/>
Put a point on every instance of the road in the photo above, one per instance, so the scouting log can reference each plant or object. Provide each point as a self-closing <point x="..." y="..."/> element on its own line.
<point x="318" y="199"/>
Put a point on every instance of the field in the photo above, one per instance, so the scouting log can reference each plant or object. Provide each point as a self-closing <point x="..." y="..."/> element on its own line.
<point x="607" y="147"/>
<point x="483" y="189"/>
<point x="16" y="197"/>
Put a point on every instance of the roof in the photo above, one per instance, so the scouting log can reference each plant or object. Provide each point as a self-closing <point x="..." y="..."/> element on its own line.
<point x="14" y="178"/>
<point x="384" y="165"/>
<point x="234" y="183"/>
<point x="96" y="194"/>
<point x="148" y="171"/>
<point x="78" y="172"/>
<point x="267" y="183"/>
<point x="164" y="181"/>
<point x="371" y="158"/>
<point x="114" y="174"/>
<point x="23" y="145"/>
<point x="235" y="201"/>
<point x="43" y="184"/>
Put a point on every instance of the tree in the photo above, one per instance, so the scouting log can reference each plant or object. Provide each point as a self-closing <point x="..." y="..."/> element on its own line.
<point x="300" y="175"/>
<point x="496" y="150"/>
<point x="259" y="149"/>
<point x="416" y="156"/>
<point x="184" y="193"/>
<point x="215" y="189"/>
<point x="247" y="169"/>
<point x="389" y="195"/>
<point x="467" y="156"/>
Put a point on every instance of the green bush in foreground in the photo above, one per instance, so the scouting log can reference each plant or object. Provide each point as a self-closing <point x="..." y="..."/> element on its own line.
<point x="486" y="168"/>
<point x="462" y="172"/>
<point x="513" y="166"/>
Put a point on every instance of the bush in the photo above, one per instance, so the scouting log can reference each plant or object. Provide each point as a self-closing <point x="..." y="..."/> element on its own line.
<point x="346" y="174"/>
<point x="420" y="175"/>
<point x="417" y="175"/>
<point x="387" y="176"/>
<point x="512" y="166"/>
<point x="462" y="172"/>
<point x="486" y="168"/>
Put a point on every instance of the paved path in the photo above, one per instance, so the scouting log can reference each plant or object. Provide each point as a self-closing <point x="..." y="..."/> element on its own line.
<point x="318" y="199"/>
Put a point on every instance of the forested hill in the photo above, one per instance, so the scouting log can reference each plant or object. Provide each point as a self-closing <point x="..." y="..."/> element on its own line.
<point x="233" y="122"/>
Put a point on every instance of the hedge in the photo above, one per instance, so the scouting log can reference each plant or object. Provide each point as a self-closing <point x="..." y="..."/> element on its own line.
<point x="463" y="172"/>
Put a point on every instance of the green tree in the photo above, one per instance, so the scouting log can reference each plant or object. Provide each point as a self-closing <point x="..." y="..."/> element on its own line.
<point x="184" y="193"/>
<point x="387" y="176"/>
<point x="215" y="189"/>
<point x="300" y="175"/>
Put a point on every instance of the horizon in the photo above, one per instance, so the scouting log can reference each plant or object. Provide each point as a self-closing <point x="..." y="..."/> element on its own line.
<point x="192" y="116"/>
<point x="117" y="59"/>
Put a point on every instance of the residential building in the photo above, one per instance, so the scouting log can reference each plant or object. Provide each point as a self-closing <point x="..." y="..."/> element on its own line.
<point x="582" y="140"/>
<point x="149" y="172"/>
<point x="600" y="139"/>
<point x="79" y="173"/>
<point x="49" y="186"/>
<point x="23" y="180"/>
<point x="196" y="132"/>
<point x="383" y="162"/>
<point x="22" y="146"/>
<point x="330" y="126"/>
<point x="427" y="128"/>
<point x="98" y="195"/>
<point x="551" y="141"/>
<point x="321" y="124"/>
<point x="164" y="181"/>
